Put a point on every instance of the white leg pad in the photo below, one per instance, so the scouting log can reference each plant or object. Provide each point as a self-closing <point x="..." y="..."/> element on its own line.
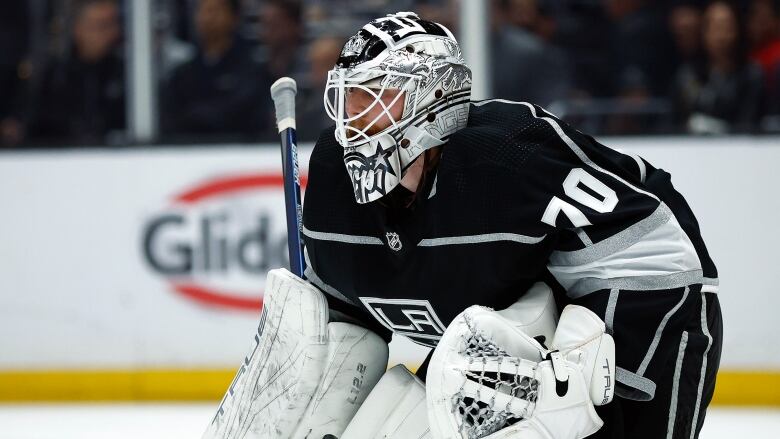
<point x="357" y="357"/>
<point x="395" y="409"/>
<point x="303" y="375"/>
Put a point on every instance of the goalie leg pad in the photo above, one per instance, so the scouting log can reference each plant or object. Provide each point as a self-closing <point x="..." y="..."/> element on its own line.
<point x="395" y="409"/>
<point x="357" y="358"/>
<point x="294" y="381"/>
<point x="275" y="382"/>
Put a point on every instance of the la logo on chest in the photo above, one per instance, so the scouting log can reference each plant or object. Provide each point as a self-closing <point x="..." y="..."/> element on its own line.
<point x="413" y="318"/>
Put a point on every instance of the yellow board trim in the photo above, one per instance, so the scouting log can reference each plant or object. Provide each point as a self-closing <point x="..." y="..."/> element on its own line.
<point x="754" y="388"/>
<point x="742" y="388"/>
<point x="114" y="385"/>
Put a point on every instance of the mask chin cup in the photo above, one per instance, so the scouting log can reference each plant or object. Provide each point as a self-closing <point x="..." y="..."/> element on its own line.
<point x="374" y="169"/>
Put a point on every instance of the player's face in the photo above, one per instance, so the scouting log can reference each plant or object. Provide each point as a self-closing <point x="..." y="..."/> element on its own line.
<point x="358" y="100"/>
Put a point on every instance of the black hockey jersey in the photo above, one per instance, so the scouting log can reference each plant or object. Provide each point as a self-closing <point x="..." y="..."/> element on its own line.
<point x="517" y="196"/>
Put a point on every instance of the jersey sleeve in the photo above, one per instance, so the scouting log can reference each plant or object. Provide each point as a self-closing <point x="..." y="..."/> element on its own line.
<point x="583" y="191"/>
<point x="618" y="250"/>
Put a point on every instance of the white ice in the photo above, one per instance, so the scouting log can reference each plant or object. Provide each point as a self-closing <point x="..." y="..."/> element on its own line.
<point x="188" y="421"/>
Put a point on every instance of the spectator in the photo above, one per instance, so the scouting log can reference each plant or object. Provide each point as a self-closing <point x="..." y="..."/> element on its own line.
<point x="323" y="54"/>
<point x="82" y="96"/>
<point x="722" y="91"/>
<point x="526" y="66"/>
<point x="764" y="32"/>
<point x="281" y="35"/>
<point x="220" y="92"/>
<point x="444" y="12"/>
<point x="635" y="114"/>
<point x="583" y="32"/>
<point x="171" y="50"/>
<point x="685" y="26"/>
<point x="14" y="71"/>
<point x="640" y="43"/>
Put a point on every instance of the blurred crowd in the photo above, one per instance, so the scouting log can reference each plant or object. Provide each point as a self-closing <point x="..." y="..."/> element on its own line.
<point x="608" y="66"/>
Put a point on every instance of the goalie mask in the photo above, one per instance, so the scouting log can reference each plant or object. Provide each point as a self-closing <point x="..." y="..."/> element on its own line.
<point x="403" y="66"/>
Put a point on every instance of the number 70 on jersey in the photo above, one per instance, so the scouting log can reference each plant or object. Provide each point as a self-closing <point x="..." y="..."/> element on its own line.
<point x="572" y="187"/>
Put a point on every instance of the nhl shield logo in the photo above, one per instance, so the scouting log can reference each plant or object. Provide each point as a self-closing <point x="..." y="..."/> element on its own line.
<point x="394" y="241"/>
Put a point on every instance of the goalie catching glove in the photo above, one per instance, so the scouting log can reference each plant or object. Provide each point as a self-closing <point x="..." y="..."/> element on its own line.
<point x="489" y="379"/>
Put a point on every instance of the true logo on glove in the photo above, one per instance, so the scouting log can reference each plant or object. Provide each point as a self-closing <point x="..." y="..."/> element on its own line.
<point x="608" y="381"/>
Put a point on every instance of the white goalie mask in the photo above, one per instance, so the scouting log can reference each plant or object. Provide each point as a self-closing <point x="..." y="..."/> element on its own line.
<point x="399" y="65"/>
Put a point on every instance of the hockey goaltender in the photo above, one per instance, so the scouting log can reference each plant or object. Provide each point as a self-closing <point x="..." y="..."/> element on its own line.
<point x="563" y="286"/>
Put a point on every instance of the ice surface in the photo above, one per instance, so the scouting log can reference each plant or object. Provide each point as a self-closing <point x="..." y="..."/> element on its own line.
<point x="188" y="421"/>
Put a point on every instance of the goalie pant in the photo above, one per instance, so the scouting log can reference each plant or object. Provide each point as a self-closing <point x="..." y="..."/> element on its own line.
<point x="691" y="336"/>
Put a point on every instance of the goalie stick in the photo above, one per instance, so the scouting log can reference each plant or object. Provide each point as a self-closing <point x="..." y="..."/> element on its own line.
<point x="283" y="93"/>
<point x="305" y="376"/>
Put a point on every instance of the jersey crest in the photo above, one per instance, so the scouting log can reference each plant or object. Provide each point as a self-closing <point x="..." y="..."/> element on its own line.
<point x="413" y="318"/>
<point x="394" y="241"/>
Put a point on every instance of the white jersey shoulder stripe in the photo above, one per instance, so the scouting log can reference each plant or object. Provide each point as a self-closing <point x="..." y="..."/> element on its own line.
<point x="570" y="143"/>
<point x="641" y="165"/>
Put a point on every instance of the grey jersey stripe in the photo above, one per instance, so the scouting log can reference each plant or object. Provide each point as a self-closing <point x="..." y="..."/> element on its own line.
<point x="676" y="385"/>
<point x="641" y="388"/>
<point x="609" y="314"/>
<point x="312" y="277"/>
<point x="659" y="332"/>
<point x="338" y="237"/>
<point x="706" y="330"/>
<point x="479" y="239"/>
<point x="583" y="236"/>
<point x="615" y="243"/>
<point x="710" y="281"/>
<point x="710" y="285"/>
<point x="588" y="285"/>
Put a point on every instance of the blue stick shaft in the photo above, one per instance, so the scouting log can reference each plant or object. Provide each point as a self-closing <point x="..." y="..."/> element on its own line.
<point x="292" y="201"/>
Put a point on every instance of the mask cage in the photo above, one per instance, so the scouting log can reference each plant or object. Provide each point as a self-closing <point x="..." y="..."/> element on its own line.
<point x="375" y="82"/>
